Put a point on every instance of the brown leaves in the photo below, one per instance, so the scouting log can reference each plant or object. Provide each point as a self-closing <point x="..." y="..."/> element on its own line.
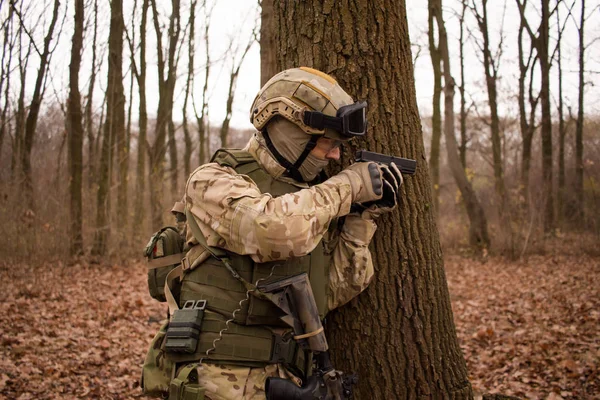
<point x="75" y="332"/>
<point x="529" y="329"/>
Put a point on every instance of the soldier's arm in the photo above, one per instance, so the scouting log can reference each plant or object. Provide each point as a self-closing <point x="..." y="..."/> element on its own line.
<point x="351" y="269"/>
<point x="233" y="214"/>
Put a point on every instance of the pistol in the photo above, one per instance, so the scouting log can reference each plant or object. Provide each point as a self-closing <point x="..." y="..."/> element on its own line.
<point x="405" y="165"/>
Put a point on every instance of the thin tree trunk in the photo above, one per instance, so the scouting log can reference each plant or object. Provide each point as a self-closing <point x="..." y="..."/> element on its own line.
<point x="400" y="333"/>
<point x="167" y="75"/>
<point x="491" y="78"/>
<point x="89" y="119"/>
<point x="203" y="132"/>
<point x="546" y="119"/>
<point x="7" y="50"/>
<point x="235" y="71"/>
<point x="561" y="130"/>
<point x="140" y="183"/>
<point x="115" y="122"/>
<point x="76" y="133"/>
<point x="579" y="206"/>
<point x="436" y="118"/>
<point x="34" y="110"/>
<point x="189" y="82"/>
<point x="463" y="101"/>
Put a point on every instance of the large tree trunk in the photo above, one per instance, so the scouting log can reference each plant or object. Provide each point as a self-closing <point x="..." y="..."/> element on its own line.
<point x="268" y="62"/>
<point x="115" y="122"/>
<point x="436" y="118"/>
<point x="399" y="335"/>
<point x="76" y="133"/>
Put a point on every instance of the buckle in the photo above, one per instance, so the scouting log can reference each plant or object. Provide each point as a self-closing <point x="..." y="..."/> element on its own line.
<point x="283" y="351"/>
<point x="185" y="264"/>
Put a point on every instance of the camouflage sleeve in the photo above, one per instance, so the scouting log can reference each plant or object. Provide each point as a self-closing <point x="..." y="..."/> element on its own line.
<point x="233" y="214"/>
<point x="351" y="268"/>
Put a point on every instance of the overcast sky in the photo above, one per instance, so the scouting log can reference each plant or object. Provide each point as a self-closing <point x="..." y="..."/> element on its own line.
<point x="233" y="20"/>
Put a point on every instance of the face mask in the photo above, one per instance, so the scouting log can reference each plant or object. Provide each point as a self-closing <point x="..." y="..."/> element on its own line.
<point x="290" y="141"/>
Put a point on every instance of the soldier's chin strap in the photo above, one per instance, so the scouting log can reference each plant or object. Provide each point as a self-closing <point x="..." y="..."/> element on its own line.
<point x="292" y="169"/>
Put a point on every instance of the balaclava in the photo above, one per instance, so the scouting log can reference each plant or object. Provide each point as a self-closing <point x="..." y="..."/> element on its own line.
<point x="290" y="141"/>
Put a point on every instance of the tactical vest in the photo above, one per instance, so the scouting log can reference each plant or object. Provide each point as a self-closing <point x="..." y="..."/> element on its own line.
<point x="250" y="340"/>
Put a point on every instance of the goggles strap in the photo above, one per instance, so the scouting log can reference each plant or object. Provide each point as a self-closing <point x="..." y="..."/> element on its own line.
<point x="318" y="120"/>
<point x="290" y="168"/>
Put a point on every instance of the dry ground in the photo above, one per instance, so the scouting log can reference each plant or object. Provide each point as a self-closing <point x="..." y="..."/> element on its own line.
<point x="527" y="328"/>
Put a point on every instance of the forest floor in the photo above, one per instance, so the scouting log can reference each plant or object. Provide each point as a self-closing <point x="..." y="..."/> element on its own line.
<point x="527" y="328"/>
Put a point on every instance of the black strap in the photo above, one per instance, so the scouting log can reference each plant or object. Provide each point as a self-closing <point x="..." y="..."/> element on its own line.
<point x="318" y="120"/>
<point x="309" y="146"/>
<point x="290" y="168"/>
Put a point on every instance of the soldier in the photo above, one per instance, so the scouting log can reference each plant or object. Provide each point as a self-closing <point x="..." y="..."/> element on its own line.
<point x="270" y="212"/>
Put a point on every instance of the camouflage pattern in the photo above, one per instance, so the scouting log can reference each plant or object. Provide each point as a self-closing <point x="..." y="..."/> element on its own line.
<point x="157" y="368"/>
<point x="294" y="90"/>
<point x="228" y="382"/>
<point x="234" y="215"/>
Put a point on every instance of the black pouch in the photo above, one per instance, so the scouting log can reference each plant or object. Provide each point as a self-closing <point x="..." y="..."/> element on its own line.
<point x="184" y="328"/>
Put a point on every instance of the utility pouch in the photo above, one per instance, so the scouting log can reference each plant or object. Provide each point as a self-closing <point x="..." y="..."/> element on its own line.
<point x="158" y="369"/>
<point x="184" y="328"/>
<point x="185" y="386"/>
<point x="164" y="252"/>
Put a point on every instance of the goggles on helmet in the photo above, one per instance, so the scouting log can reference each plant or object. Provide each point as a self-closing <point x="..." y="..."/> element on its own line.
<point x="350" y="121"/>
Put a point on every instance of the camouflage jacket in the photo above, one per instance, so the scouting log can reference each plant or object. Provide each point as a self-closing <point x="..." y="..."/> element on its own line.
<point x="234" y="215"/>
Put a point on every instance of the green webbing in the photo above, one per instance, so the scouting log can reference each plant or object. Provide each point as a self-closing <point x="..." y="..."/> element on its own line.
<point x="185" y="385"/>
<point x="222" y="256"/>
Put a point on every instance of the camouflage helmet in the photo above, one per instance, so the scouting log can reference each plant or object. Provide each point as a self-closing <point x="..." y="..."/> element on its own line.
<point x="310" y="99"/>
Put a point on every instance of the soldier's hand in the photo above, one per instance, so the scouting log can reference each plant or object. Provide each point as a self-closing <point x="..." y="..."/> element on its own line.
<point x="392" y="180"/>
<point x="367" y="181"/>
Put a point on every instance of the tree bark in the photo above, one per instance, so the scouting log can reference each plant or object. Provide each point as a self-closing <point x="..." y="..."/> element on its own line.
<point x="114" y="125"/>
<point x="76" y="133"/>
<point x="399" y="335"/>
<point x="7" y="51"/>
<point x="268" y="62"/>
<point x="436" y="118"/>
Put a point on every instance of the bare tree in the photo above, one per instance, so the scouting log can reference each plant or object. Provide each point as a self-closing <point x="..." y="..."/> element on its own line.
<point x="579" y="206"/>
<point x="540" y="42"/>
<point x="463" y="101"/>
<point x="89" y="120"/>
<point x="189" y="82"/>
<point x="233" y="76"/>
<point x="75" y="117"/>
<point x="526" y="120"/>
<point x="139" y="71"/>
<point x="202" y="117"/>
<point x="491" y="66"/>
<point x="436" y="118"/>
<point x="115" y="122"/>
<point x="34" y="107"/>
<point x="8" y="45"/>
<point x="167" y="75"/>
